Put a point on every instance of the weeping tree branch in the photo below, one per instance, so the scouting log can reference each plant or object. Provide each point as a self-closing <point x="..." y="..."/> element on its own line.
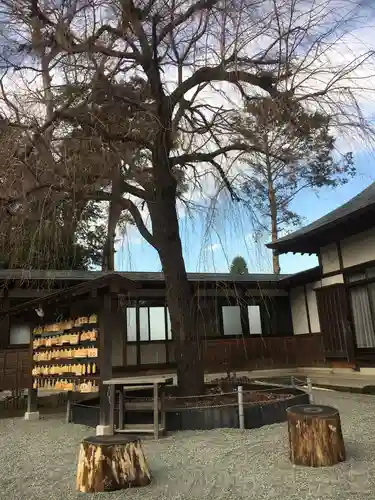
<point x="225" y="180"/>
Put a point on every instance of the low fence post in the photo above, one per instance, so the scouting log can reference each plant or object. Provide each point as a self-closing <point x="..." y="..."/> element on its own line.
<point x="68" y="416"/>
<point x="310" y="390"/>
<point x="240" y="407"/>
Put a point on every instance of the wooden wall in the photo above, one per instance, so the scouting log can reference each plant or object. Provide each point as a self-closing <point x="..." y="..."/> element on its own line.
<point x="224" y="354"/>
<point x="264" y="352"/>
<point x="15" y="368"/>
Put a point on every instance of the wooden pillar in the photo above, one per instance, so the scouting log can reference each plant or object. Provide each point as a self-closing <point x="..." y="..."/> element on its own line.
<point x="120" y="408"/>
<point x="5" y="321"/>
<point x="105" y="357"/>
<point x="32" y="400"/>
<point x="68" y="407"/>
<point x="156" y="411"/>
<point x="118" y="335"/>
<point x="162" y="408"/>
<point x="242" y="302"/>
<point x="112" y="403"/>
<point x="32" y="405"/>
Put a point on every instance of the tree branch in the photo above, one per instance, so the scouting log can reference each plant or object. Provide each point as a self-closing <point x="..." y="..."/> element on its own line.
<point x="208" y="157"/>
<point x="199" y="6"/>
<point x="126" y="136"/>
<point x="135" y="191"/>
<point x="128" y="205"/>
<point x="225" y="180"/>
<point x="135" y="213"/>
<point x="14" y="206"/>
<point x="218" y="73"/>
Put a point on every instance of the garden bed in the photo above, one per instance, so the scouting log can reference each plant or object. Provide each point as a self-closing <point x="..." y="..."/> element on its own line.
<point x="213" y="410"/>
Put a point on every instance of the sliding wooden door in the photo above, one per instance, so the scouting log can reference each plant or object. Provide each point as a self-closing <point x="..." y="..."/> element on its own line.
<point x="335" y="324"/>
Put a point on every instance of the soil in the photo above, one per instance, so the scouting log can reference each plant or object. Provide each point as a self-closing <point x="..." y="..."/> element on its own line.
<point x="233" y="381"/>
<point x="216" y="398"/>
<point x="220" y="392"/>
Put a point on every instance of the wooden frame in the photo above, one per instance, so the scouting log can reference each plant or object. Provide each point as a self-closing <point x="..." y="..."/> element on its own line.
<point x="307" y="308"/>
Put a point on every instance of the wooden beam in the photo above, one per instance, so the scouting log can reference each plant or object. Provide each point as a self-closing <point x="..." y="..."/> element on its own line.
<point x="307" y="308"/>
<point x="25" y="293"/>
<point x="32" y="400"/>
<point x="156" y="410"/>
<point x="339" y="254"/>
<point x="112" y="403"/>
<point x="105" y="355"/>
<point x="5" y="322"/>
<point x="120" y="408"/>
<point x="245" y="323"/>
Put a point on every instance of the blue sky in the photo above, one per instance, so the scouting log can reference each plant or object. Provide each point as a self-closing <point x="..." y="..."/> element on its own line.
<point x="209" y="245"/>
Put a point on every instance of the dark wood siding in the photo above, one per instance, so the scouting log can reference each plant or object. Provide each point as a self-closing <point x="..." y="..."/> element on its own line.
<point x="334" y="321"/>
<point x="276" y="315"/>
<point x="264" y="352"/>
<point x="15" y="369"/>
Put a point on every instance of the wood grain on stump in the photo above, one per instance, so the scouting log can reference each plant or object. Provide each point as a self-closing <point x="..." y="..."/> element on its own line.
<point x="315" y="435"/>
<point x="108" y="463"/>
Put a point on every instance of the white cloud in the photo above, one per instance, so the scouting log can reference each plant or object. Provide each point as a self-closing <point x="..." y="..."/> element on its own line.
<point x="213" y="247"/>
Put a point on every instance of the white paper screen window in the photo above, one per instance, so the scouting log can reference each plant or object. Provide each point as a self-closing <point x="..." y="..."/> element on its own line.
<point x="255" y="323"/>
<point x="19" y="334"/>
<point x="131" y="324"/>
<point x="232" y="320"/>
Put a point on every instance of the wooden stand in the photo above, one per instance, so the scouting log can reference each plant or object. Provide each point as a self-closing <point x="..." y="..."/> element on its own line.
<point x="108" y="463"/>
<point x="127" y="384"/>
<point x="315" y="436"/>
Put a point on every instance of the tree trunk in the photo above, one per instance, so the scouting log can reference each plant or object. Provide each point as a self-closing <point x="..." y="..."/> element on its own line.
<point x="275" y="262"/>
<point x="315" y="436"/>
<point x="109" y="248"/>
<point x="274" y="231"/>
<point x="182" y="305"/>
<point x="109" y="463"/>
<point x="114" y="213"/>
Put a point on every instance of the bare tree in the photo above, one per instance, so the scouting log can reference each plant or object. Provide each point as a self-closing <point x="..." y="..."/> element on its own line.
<point x="144" y="75"/>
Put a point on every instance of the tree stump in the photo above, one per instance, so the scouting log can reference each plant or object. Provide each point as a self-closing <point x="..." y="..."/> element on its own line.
<point x="315" y="436"/>
<point x="108" y="463"/>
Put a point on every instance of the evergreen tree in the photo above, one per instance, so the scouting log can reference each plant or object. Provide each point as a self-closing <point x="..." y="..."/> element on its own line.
<point x="238" y="266"/>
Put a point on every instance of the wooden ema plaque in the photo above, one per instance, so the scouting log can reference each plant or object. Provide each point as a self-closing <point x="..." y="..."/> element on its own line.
<point x="65" y="355"/>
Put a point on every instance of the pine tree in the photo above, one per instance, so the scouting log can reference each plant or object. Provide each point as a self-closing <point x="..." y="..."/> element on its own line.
<point x="238" y="266"/>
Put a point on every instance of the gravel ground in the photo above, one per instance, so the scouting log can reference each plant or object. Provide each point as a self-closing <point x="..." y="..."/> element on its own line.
<point x="38" y="461"/>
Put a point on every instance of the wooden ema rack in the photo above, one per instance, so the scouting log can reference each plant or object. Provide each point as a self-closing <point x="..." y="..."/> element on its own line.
<point x="65" y="355"/>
